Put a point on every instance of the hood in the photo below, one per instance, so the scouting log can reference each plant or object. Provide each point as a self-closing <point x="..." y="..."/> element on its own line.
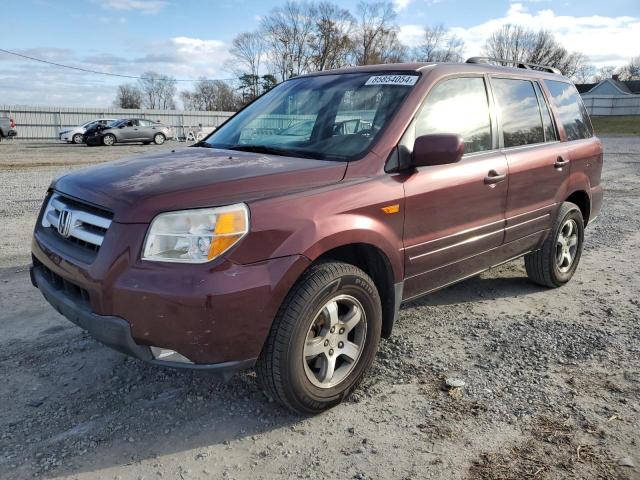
<point x="137" y="189"/>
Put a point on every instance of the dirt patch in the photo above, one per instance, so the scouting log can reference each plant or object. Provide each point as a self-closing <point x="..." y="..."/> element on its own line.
<point x="551" y="377"/>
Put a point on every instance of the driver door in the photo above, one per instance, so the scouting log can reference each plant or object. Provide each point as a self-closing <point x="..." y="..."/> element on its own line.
<point x="455" y="213"/>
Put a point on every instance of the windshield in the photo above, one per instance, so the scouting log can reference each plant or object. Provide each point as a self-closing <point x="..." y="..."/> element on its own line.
<point x="333" y="117"/>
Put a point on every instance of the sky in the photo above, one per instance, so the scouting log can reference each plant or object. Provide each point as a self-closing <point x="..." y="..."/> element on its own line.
<point x="190" y="38"/>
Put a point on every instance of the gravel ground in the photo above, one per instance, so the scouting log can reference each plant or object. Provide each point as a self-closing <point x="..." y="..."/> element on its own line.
<point x="552" y="377"/>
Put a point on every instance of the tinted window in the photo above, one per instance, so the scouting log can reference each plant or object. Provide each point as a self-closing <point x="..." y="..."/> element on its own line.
<point x="458" y="106"/>
<point x="520" y="114"/>
<point x="571" y="111"/>
<point x="549" y="130"/>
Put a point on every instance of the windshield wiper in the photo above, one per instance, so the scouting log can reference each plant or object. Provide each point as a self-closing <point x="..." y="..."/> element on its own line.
<point x="203" y="144"/>
<point x="271" y="151"/>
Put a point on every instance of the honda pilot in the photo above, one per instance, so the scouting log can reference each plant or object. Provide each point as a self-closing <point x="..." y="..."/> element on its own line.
<point x="288" y="239"/>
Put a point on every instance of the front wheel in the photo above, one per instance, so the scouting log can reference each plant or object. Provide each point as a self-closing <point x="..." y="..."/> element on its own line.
<point x="77" y="139"/>
<point x="323" y="339"/>
<point x="556" y="262"/>
<point x="158" y="139"/>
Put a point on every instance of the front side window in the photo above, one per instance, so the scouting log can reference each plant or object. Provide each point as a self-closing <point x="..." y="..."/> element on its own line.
<point x="573" y="115"/>
<point x="519" y="111"/>
<point x="458" y="106"/>
<point x="334" y="117"/>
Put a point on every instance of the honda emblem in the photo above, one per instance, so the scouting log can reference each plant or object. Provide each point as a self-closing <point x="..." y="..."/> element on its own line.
<point x="65" y="221"/>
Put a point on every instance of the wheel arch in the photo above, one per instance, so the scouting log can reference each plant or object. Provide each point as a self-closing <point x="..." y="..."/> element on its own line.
<point x="583" y="201"/>
<point x="375" y="263"/>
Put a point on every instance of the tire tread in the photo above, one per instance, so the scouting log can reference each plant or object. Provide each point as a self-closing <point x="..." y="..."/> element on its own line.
<point x="270" y="364"/>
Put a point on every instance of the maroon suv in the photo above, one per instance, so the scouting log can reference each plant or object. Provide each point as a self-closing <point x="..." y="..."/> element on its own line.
<point x="289" y="238"/>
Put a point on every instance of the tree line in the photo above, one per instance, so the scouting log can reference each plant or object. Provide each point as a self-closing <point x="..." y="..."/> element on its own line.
<point x="307" y="36"/>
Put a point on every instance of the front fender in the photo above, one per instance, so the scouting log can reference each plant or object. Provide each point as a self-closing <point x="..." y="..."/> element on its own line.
<point x="313" y="223"/>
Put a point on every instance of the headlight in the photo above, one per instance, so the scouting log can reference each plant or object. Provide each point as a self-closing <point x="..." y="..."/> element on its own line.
<point x="195" y="236"/>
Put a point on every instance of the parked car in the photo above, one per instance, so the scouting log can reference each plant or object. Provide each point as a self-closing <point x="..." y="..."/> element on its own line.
<point x="7" y="128"/>
<point x="295" y="257"/>
<point x="75" y="134"/>
<point x="128" y="130"/>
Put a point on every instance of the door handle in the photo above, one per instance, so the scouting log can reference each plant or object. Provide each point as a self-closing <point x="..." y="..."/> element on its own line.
<point x="494" y="177"/>
<point x="561" y="162"/>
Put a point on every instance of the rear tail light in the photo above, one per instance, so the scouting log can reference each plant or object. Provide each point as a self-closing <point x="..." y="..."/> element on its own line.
<point x="12" y="124"/>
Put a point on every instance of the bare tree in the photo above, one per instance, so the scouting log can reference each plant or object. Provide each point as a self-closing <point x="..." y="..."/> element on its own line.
<point x="514" y="42"/>
<point x="288" y="30"/>
<point x="439" y="45"/>
<point x="158" y="91"/>
<point x="211" y="95"/>
<point x="377" y="34"/>
<point x="631" y="71"/>
<point x="584" y="73"/>
<point x="247" y="49"/>
<point x="331" y="43"/>
<point x="128" y="96"/>
<point x="604" y="72"/>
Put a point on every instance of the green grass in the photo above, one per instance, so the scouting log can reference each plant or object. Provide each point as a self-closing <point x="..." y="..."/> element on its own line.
<point x="617" y="125"/>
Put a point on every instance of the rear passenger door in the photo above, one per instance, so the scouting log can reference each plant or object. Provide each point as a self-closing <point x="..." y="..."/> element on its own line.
<point x="538" y="164"/>
<point x="454" y="214"/>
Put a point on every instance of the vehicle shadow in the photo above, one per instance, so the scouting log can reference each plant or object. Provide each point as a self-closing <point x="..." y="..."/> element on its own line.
<point x="95" y="409"/>
<point x="478" y="289"/>
<point x="75" y="406"/>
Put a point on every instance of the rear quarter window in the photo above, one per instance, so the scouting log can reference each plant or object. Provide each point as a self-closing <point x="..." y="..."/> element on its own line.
<point x="571" y="111"/>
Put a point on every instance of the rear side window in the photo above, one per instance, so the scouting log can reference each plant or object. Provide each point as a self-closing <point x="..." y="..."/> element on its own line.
<point x="550" y="134"/>
<point x="573" y="115"/>
<point x="458" y="106"/>
<point x="520" y="113"/>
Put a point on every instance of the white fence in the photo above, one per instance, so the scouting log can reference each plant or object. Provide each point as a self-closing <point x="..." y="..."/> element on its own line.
<point x="601" y="105"/>
<point x="46" y="122"/>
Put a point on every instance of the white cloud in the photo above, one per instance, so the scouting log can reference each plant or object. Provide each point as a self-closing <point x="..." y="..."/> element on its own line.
<point x="401" y="4"/>
<point x="604" y="40"/>
<point x="411" y="35"/>
<point x="144" y="6"/>
<point x="25" y="82"/>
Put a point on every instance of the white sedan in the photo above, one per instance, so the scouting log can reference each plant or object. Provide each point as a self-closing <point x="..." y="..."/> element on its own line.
<point x="74" y="134"/>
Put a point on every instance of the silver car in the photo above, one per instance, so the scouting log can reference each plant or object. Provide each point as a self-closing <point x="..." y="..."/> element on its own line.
<point x="130" y="130"/>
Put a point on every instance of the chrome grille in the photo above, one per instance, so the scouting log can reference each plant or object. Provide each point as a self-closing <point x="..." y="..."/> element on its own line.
<point x="81" y="224"/>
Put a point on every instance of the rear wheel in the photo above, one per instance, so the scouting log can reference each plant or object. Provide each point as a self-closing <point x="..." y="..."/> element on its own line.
<point x="109" y="140"/>
<point x="323" y="339"/>
<point x="77" y="138"/>
<point x="556" y="262"/>
<point x="158" y="139"/>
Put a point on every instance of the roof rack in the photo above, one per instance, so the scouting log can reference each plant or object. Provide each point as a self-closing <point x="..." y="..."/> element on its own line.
<point x="516" y="63"/>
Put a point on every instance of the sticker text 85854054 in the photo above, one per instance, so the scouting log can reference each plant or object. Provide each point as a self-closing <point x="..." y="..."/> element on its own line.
<point x="407" y="80"/>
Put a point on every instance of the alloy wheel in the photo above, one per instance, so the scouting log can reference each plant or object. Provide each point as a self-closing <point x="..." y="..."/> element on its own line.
<point x="334" y="342"/>
<point x="566" y="245"/>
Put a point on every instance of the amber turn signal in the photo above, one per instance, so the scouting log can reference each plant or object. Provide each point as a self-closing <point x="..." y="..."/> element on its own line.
<point x="395" y="208"/>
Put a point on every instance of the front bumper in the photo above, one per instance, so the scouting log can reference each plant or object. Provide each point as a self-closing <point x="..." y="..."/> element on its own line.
<point x="216" y="313"/>
<point x="113" y="331"/>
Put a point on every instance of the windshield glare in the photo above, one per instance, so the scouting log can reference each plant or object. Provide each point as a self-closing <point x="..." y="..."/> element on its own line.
<point x="334" y="117"/>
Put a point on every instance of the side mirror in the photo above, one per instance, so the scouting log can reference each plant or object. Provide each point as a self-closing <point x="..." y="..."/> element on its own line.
<point x="437" y="149"/>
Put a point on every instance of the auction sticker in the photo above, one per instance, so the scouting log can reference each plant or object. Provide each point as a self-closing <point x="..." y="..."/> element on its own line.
<point x="407" y="80"/>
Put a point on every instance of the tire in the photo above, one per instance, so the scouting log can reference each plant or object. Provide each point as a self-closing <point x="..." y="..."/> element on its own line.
<point x="77" y="139"/>
<point x="550" y="266"/>
<point x="108" y="140"/>
<point x="159" y="138"/>
<point x="301" y="382"/>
